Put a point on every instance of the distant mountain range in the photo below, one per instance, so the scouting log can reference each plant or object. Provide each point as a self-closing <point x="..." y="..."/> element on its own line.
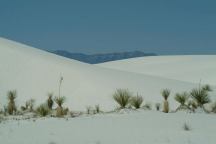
<point x="100" y="58"/>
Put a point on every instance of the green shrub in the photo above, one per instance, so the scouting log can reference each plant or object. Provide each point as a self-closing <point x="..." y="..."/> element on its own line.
<point x="50" y="101"/>
<point x="43" y="110"/>
<point x="182" y="98"/>
<point x="137" y="101"/>
<point x="11" y="108"/>
<point x="201" y="96"/>
<point x="122" y="97"/>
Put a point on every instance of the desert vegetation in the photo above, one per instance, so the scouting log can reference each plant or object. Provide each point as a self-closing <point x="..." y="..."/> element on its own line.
<point x="165" y="93"/>
<point x="190" y="101"/>
<point x="182" y="98"/>
<point x="122" y="97"/>
<point x="201" y="96"/>
<point x="137" y="101"/>
<point x="50" y="101"/>
<point x="59" y="110"/>
<point x="11" y="108"/>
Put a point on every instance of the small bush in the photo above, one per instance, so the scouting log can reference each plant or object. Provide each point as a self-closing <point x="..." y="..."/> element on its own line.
<point x="50" y="101"/>
<point x="181" y="97"/>
<point x="11" y="108"/>
<point x="43" y="110"/>
<point x="137" y="101"/>
<point x="200" y="95"/>
<point x="122" y="97"/>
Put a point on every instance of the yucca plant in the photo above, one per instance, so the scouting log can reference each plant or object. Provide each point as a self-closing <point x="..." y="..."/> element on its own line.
<point x="122" y="97"/>
<point x="59" y="110"/>
<point x="11" y="95"/>
<point x="43" y="110"/>
<point x="50" y="101"/>
<point x="165" y="93"/>
<point x="201" y="96"/>
<point x="182" y="99"/>
<point x="137" y="101"/>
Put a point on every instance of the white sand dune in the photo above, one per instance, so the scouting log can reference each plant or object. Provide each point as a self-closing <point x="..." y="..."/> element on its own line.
<point x="34" y="73"/>
<point x="189" y="68"/>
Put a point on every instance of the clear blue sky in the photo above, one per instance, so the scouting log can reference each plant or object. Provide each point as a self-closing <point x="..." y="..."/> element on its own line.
<point x="92" y="26"/>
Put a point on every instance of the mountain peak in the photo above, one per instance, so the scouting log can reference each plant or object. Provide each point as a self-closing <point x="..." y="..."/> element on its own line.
<point x="102" y="57"/>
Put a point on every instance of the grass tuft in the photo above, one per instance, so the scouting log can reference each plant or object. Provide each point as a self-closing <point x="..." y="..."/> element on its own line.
<point x="137" y="101"/>
<point x="122" y="97"/>
<point x="43" y="110"/>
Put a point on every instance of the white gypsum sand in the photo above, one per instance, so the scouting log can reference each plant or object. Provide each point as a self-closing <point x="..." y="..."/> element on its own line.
<point x="34" y="73"/>
<point x="147" y="127"/>
<point x="188" y="68"/>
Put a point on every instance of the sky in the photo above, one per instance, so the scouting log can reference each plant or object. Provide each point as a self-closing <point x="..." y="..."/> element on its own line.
<point x="166" y="27"/>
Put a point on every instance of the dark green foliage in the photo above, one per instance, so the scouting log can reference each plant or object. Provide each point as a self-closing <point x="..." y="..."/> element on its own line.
<point x="43" y="110"/>
<point x="182" y="98"/>
<point x="201" y="96"/>
<point x="165" y="93"/>
<point x="137" y="101"/>
<point x="11" y="108"/>
<point x="50" y="101"/>
<point x="122" y="97"/>
<point x="59" y="101"/>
